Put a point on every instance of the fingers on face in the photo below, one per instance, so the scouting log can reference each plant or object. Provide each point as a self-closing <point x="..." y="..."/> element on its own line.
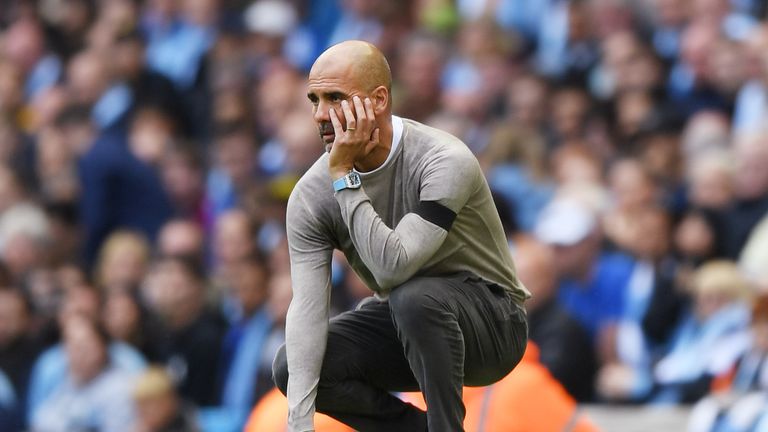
<point x="369" y="109"/>
<point x="373" y="142"/>
<point x="359" y="109"/>
<point x="335" y="122"/>
<point x="363" y="115"/>
<point x="350" y="118"/>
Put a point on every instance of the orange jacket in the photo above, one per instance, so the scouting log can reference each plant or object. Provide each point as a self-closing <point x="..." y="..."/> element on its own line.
<point x="271" y="415"/>
<point x="528" y="399"/>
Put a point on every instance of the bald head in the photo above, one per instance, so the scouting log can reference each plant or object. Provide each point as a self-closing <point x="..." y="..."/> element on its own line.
<point x="349" y="70"/>
<point x="360" y="61"/>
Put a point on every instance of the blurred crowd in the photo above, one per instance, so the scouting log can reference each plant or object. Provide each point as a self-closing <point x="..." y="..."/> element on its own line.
<point x="148" y="147"/>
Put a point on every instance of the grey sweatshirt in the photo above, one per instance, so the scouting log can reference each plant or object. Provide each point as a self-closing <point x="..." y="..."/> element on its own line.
<point x="395" y="227"/>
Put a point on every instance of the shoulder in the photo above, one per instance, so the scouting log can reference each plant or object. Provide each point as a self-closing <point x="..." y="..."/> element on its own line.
<point x="313" y="193"/>
<point x="51" y="358"/>
<point x="126" y="356"/>
<point x="429" y="139"/>
<point x="434" y="147"/>
<point x="118" y="377"/>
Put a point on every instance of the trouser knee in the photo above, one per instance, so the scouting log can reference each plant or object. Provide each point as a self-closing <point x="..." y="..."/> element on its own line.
<point x="280" y="370"/>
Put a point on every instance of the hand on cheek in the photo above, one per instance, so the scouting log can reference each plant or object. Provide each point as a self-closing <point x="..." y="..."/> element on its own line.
<point x="356" y="135"/>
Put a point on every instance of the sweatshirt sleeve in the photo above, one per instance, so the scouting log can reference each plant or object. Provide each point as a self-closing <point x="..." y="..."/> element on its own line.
<point x="395" y="255"/>
<point x="307" y="319"/>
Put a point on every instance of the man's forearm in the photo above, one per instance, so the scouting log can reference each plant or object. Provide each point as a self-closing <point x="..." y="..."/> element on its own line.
<point x="391" y="255"/>
<point x="306" y="336"/>
<point x="306" y="326"/>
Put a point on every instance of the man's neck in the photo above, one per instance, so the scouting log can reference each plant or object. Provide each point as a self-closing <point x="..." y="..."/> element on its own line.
<point x="378" y="155"/>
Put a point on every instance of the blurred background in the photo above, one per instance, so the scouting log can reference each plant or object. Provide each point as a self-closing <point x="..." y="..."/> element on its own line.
<point x="148" y="147"/>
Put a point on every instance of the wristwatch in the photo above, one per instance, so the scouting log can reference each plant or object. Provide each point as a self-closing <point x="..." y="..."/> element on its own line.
<point x="349" y="181"/>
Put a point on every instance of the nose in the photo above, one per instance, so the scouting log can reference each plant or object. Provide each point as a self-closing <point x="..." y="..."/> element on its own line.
<point x="320" y="112"/>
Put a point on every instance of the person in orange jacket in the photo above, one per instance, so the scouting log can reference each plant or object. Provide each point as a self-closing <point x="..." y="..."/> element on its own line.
<point x="271" y="415"/>
<point x="528" y="399"/>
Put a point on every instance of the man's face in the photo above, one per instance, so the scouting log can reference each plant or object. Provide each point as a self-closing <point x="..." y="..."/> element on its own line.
<point x="249" y="285"/>
<point x="235" y="155"/>
<point x="328" y="85"/>
<point x="575" y="260"/>
<point x="86" y="352"/>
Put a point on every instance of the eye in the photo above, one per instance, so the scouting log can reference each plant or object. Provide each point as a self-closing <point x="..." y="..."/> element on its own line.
<point x="312" y="98"/>
<point x="336" y="97"/>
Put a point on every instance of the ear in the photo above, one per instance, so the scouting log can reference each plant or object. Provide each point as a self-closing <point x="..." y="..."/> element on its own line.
<point x="380" y="99"/>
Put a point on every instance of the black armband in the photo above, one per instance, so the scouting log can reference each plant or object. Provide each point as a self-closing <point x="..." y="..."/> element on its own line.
<point x="436" y="213"/>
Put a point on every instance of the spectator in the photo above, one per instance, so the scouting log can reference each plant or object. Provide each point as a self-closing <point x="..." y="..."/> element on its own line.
<point x="526" y="101"/>
<point x="24" y="236"/>
<point x="55" y="166"/>
<point x="750" y="187"/>
<point x="705" y="131"/>
<point x="752" y="259"/>
<point x="123" y="261"/>
<point x="651" y="307"/>
<point x="270" y="24"/>
<point x="689" y="84"/>
<point x="175" y="290"/>
<point x="515" y="164"/>
<point x="91" y="84"/>
<point x="295" y="137"/>
<point x="669" y="18"/>
<point x="234" y="238"/>
<point x="11" y="190"/>
<point x="738" y="399"/>
<point x="246" y="361"/>
<point x="751" y="104"/>
<point x="52" y="366"/>
<point x="178" y="38"/>
<point x="149" y="88"/>
<point x="18" y="350"/>
<point x="591" y="285"/>
<point x="10" y="415"/>
<point x="632" y="189"/>
<point x="24" y="44"/>
<point x="569" y="108"/>
<point x="629" y="66"/>
<point x="118" y="191"/>
<point x="511" y="404"/>
<point x="93" y="394"/>
<point x="709" y="339"/>
<point x="421" y="59"/>
<point x="126" y="321"/>
<point x="560" y="338"/>
<point x="182" y="170"/>
<point x="276" y="96"/>
<point x="181" y="237"/>
<point x="234" y="171"/>
<point x="151" y="134"/>
<point x="11" y="88"/>
<point x="158" y="406"/>
<point x="710" y="178"/>
<point x="694" y="237"/>
<point x="271" y="415"/>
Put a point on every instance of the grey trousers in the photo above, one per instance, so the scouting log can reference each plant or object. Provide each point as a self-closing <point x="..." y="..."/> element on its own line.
<point x="434" y="335"/>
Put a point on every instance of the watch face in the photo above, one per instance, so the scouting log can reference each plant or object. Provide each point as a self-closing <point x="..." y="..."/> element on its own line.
<point x="354" y="180"/>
